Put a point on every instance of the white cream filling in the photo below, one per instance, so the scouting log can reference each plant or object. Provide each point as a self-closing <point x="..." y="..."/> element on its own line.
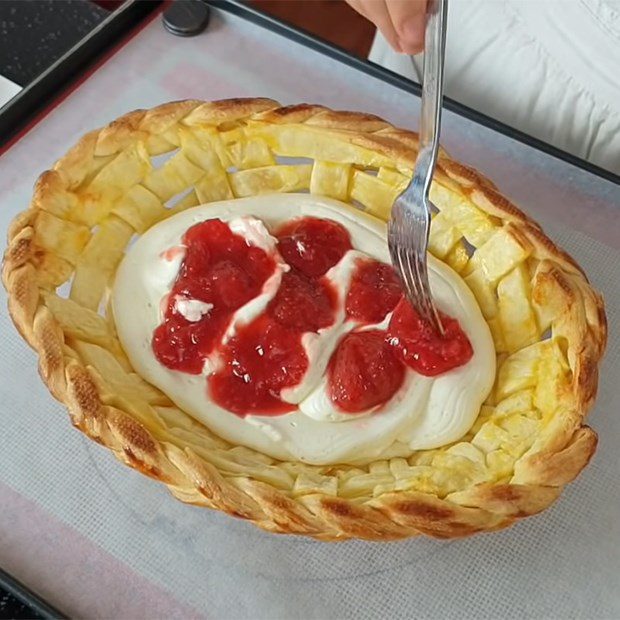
<point x="425" y="413"/>
<point x="191" y="309"/>
<point x="254" y="232"/>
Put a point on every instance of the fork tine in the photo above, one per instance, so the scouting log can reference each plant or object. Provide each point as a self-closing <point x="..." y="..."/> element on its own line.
<point x="432" y="315"/>
<point x="420" y="270"/>
<point x="411" y="277"/>
<point x="407" y="242"/>
<point x="418" y="298"/>
<point x="417" y="269"/>
<point x="411" y="288"/>
<point x="422" y="275"/>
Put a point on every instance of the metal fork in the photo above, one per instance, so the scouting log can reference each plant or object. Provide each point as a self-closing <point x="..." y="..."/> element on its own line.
<point x="410" y="220"/>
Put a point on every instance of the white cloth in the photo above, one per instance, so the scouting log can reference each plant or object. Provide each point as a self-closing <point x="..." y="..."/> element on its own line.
<point x="550" y="68"/>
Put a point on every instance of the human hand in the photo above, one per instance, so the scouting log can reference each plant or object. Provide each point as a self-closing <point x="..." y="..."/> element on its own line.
<point x="401" y="22"/>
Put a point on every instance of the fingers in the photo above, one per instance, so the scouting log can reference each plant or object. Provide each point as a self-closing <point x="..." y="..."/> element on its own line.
<point x="401" y="22"/>
<point x="409" y="20"/>
<point x="377" y="12"/>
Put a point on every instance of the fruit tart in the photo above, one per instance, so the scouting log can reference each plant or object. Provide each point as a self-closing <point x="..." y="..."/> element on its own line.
<point x="209" y="290"/>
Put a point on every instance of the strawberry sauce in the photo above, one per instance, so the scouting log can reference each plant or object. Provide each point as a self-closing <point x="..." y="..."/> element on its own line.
<point x="222" y="270"/>
<point x="364" y="372"/>
<point x="219" y="268"/>
<point x="374" y="292"/>
<point x="422" y="348"/>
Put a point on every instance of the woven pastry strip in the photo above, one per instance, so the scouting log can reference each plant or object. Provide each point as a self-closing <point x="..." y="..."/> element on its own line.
<point x="548" y="324"/>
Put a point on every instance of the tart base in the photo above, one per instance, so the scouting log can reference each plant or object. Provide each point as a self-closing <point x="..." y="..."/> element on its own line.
<point x="548" y="323"/>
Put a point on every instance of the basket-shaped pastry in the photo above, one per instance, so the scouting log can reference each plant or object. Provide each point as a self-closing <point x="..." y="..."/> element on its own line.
<point x="547" y="323"/>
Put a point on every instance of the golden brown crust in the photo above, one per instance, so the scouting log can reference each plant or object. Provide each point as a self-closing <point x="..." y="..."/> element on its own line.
<point x="106" y="185"/>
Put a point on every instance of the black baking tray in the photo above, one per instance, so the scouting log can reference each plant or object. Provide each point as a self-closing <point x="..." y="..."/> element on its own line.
<point x="21" y="602"/>
<point x="47" y="88"/>
<point x="120" y="25"/>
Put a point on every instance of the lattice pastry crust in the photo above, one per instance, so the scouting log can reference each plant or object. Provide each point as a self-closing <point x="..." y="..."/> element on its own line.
<point x="547" y="322"/>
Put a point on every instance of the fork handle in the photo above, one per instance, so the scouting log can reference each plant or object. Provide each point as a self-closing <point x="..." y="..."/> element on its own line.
<point x="432" y="88"/>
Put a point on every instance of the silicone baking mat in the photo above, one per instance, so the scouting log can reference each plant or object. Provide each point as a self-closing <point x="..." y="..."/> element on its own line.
<point x="99" y="540"/>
